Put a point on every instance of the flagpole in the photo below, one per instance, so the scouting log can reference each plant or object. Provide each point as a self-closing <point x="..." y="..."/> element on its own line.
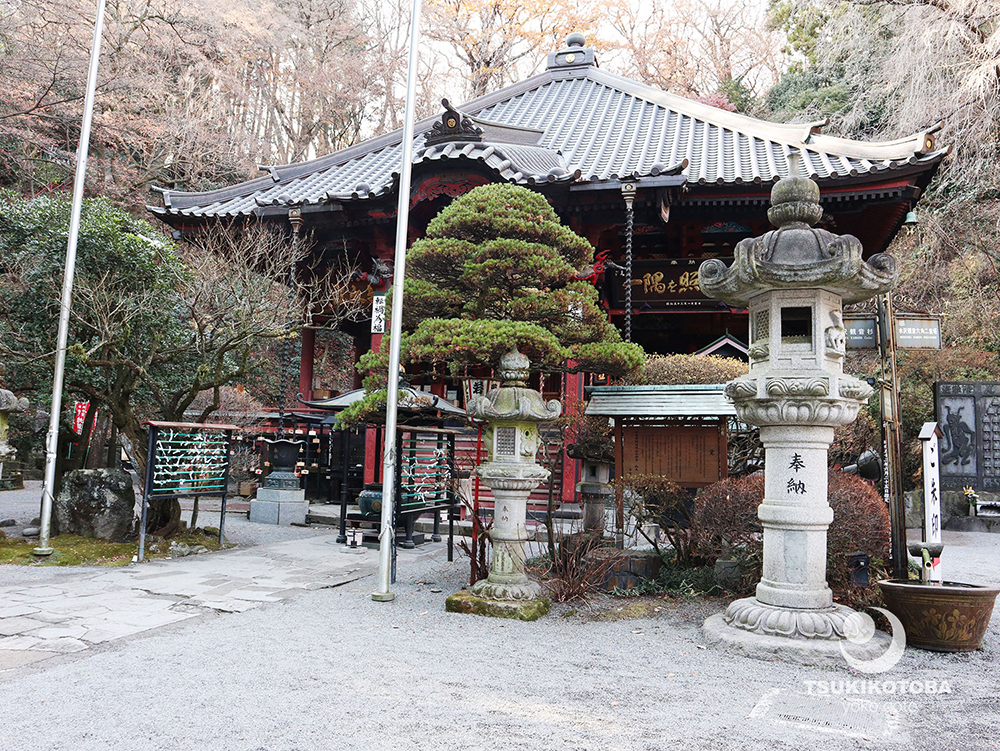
<point x="52" y="437"/>
<point x="387" y="533"/>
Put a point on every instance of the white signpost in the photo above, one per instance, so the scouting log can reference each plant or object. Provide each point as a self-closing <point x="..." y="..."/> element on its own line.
<point x="378" y="313"/>
<point x="929" y="435"/>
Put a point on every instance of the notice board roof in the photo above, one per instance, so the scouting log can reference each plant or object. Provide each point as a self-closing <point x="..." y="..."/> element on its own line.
<point x="697" y="401"/>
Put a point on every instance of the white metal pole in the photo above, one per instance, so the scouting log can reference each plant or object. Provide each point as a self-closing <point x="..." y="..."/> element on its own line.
<point x="388" y="532"/>
<point x="52" y="438"/>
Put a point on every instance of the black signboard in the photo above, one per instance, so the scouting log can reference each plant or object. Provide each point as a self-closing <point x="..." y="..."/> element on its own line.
<point x="862" y="331"/>
<point x="661" y="284"/>
<point x="968" y="414"/>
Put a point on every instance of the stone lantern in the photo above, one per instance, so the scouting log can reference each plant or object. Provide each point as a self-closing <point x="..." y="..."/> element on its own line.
<point x="8" y="404"/>
<point x="794" y="281"/>
<point x="512" y="413"/>
<point x="595" y="488"/>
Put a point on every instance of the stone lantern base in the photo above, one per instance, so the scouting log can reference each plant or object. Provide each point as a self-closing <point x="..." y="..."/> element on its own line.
<point x="523" y="610"/>
<point x="800" y="649"/>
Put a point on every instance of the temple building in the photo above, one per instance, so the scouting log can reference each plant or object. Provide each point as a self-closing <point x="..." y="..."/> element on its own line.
<point x="636" y="170"/>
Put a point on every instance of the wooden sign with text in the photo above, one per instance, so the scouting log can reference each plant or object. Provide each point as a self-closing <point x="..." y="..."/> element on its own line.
<point x="689" y="455"/>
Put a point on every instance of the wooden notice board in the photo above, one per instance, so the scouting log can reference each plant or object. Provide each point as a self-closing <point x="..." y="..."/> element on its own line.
<point x="689" y="455"/>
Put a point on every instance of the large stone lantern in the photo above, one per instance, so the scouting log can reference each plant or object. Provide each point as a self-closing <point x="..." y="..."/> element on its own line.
<point x="512" y="413"/>
<point x="794" y="280"/>
<point x="8" y="404"/>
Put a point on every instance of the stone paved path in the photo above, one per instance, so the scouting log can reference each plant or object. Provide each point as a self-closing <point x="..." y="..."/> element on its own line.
<point x="77" y="612"/>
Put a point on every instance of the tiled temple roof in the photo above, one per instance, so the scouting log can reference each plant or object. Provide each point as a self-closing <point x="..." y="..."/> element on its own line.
<point x="572" y="123"/>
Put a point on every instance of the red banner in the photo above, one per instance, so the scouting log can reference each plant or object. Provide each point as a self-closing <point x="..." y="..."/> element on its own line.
<point x="80" y="416"/>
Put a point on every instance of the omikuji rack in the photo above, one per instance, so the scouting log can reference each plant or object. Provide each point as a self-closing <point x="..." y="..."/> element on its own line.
<point x="186" y="459"/>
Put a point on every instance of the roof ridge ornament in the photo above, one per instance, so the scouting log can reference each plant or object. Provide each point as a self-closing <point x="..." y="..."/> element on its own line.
<point x="574" y="55"/>
<point x="453" y="126"/>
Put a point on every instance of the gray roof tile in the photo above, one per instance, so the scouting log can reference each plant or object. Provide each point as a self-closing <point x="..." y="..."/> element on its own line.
<point x="690" y="402"/>
<point x="588" y="125"/>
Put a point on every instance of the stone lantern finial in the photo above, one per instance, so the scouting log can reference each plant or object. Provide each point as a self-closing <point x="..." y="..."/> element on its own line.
<point x="514" y="368"/>
<point x="794" y="199"/>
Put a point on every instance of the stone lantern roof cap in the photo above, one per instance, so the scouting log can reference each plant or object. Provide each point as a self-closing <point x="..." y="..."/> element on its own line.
<point x="513" y="401"/>
<point x="797" y="255"/>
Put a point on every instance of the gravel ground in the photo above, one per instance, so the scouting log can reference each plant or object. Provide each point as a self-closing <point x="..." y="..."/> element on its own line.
<point x="333" y="669"/>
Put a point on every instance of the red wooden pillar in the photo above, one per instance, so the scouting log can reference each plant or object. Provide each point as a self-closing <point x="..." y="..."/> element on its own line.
<point x="572" y="401"/>
<point x="306" y="363"/>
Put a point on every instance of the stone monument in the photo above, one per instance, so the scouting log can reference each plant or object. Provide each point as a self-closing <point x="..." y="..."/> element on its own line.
<point x="512" y="413"/>
<point x="794" y="280"/>
<point x="281" y="500"/>
<point x="8" y="403"/>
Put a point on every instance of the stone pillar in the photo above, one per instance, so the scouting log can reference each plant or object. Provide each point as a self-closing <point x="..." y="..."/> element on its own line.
<point x="507" y="579"/>
<point x="794" y="281"/>
<point x="796" y="523"/>
<point x="595" y="489"/>
<point x="595" y="497"/>
<point x="512" y="413"/>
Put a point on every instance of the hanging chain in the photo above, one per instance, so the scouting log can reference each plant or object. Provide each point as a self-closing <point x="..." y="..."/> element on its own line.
<point x="285" y="348"/>
<point x="628" y="192"/>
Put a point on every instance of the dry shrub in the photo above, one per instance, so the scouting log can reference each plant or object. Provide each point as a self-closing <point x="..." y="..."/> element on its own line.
<point x="657" y="500"/>
<point x="860" y="524"/>
<point x="673" y="370"/>
<point x="725" y="517"/>
<point x="852" y="440"/>
<point x="577" y="571"/>
<point x="725" y="521"/>
<point x="480" y="558"/>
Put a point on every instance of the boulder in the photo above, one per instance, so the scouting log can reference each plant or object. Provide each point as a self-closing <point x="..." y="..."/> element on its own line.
<point x="180" y="549"/>
<point x="96" y="503"/>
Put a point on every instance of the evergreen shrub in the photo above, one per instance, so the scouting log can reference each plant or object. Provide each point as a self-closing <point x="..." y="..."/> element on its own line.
<point x="724" y="521"/>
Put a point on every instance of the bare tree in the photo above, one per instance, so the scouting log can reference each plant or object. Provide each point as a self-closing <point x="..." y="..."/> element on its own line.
<point x="694" y="47"/>
<point x="496" y="40"/>
<point x="907" y="65"/>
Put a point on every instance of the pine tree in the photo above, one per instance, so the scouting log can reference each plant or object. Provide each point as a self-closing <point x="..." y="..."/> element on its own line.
<point x="498" y="270"/>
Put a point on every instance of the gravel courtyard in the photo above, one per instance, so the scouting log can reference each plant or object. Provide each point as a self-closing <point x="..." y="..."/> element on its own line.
<point x="330" y="668"/>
